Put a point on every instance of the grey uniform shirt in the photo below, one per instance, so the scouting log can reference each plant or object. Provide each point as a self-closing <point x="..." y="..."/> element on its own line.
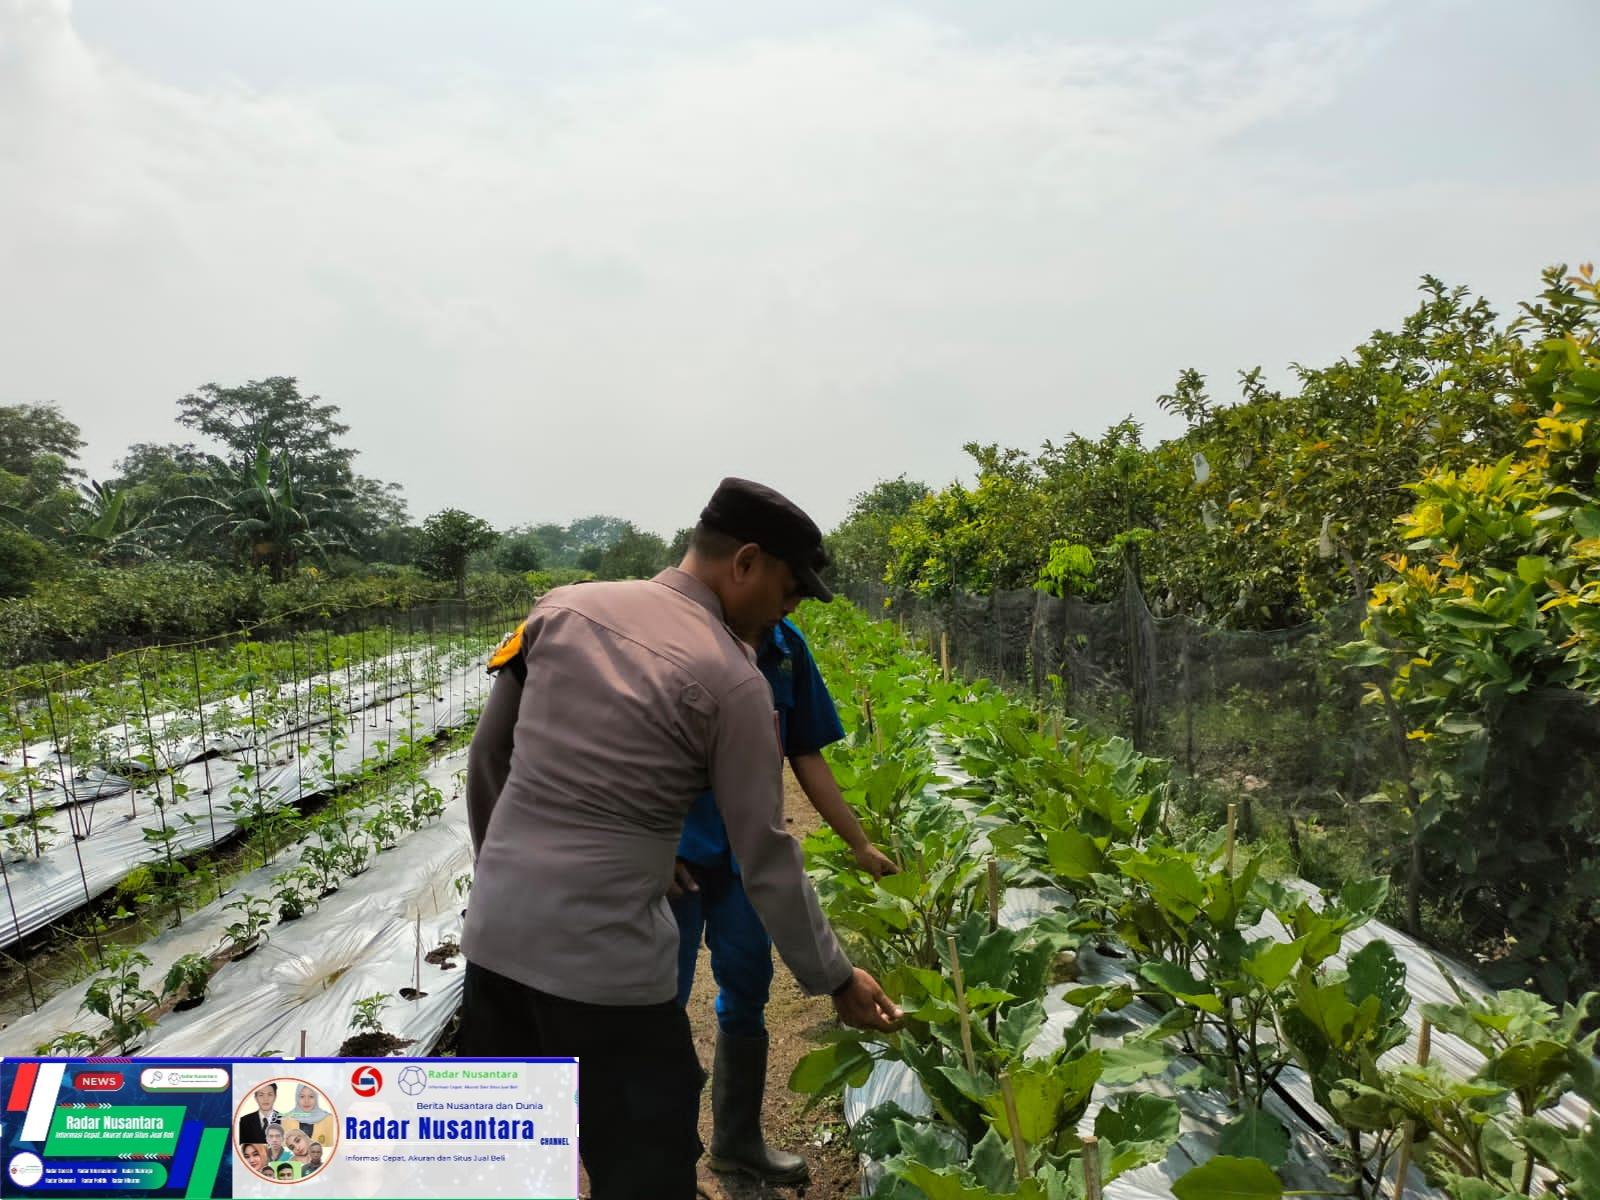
<point x="638" y="698"/>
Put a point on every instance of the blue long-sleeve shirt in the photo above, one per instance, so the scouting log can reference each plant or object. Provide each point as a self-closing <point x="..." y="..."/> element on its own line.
<point x="807" y="721"/>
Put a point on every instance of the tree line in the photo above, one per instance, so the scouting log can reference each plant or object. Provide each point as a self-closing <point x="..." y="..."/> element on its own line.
<point x="269" y="486"/>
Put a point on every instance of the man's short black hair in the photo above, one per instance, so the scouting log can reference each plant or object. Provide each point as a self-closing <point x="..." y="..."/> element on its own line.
<point x="713" y="544"/>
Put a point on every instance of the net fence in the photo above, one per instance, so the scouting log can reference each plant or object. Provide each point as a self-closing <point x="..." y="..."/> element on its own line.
<point x="1273" y="723"/>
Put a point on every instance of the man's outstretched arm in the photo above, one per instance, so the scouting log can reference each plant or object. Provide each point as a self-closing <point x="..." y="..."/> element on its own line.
<point x="822" y="789"/>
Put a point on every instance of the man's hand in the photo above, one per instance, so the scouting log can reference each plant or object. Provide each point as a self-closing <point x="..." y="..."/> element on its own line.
<point x="869" y="858"/>
<point x="864" y="1004"/>
<point x="682" y="880"/>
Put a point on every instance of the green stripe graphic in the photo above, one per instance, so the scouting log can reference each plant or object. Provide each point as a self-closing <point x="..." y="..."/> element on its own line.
<point x="206" y="1161"/>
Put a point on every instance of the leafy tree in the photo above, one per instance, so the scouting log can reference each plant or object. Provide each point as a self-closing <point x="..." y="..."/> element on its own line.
<point x="271" y="412"/>
<point x="269" y="515"/>
<point x="859" y="546"/>
<point x="637" y="554"/>
<point x="679" y="546"/>
<point x="1259" y="509"/>
<point x="23" y="561"/>
<point x="519" y="549"/>
<point x="447" y="540"/>
<point x="553" y="541"/>
<point x="1485" y="632"/>
<point x="38" y="447"/>
<point x="37" y="441"/>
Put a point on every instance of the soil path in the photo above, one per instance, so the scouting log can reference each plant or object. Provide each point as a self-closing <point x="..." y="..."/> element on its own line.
<point x="794" y="1022"/>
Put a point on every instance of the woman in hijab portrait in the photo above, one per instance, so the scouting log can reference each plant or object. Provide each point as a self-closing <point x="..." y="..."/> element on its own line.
<point x="308" y="1113"/>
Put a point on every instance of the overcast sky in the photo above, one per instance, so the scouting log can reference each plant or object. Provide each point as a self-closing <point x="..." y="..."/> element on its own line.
<point x="554" y="259"/>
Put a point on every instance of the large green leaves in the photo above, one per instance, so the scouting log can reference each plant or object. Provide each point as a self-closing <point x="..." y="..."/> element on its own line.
<point x="1256" y="1134"/>
<point x="1228" y="1178"/>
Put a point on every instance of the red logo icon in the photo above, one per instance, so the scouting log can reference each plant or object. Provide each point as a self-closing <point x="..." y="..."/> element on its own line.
<point x="110" y="1081"/>
<point x="366" y="1081"/>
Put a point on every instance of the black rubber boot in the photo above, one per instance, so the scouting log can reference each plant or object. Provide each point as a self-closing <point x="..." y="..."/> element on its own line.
<point x="738" y="1084"/>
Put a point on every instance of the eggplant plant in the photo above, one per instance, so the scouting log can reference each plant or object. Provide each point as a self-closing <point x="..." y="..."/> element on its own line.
<point x="118" y="996"/>
<point x="245" y="934"/>
<point x="187" y="979"/>
<point x="297" y="890"/>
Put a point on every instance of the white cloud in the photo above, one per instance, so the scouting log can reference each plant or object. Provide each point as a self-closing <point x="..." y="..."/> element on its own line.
<point x="814" y="261"/>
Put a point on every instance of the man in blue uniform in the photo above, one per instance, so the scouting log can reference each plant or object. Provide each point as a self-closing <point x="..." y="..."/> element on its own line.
<point x="711" y="901"/>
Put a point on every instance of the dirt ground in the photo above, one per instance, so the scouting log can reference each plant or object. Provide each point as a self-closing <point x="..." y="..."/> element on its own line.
<point x="794" y="1021"/>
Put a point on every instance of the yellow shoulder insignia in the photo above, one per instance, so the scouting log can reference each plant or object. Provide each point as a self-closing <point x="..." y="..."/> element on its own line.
<point x="508" y="650"/>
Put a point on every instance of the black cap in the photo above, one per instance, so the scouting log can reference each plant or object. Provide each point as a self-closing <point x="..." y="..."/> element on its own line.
<point x="755" y="513"/>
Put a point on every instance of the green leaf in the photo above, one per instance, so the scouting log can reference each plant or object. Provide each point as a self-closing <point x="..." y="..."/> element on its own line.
<point x="1179" y="984"/>
<point x="1575" y="1154"/>
<point x="1363" y="899"/>
<point x="938" y="1185"/>
<point x="1533" y="1065"/>
<point x="1134" y="1060"/>
<point x="1172" y="882"/>
<point x="1375" y="970"/>
<point x="828" y="1069"/>
<point x="1463" y="1187"/>
<point x="1532" y="568"/>
<point x="1139" y="1130"/>
<point x="1257" y="1134"/>
<point x="1274" y="963"/>
<point x="992" y="1163"/>
<point x="1074" y="855"/>
<point x="1466" y="616"/>
<point x="1228" y="1178"/>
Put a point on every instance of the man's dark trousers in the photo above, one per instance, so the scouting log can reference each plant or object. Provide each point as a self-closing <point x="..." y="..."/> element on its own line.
<point x="638" y="1078"/>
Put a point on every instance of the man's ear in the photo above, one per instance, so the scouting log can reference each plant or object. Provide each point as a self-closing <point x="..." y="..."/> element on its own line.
<point x="745" y="560"/>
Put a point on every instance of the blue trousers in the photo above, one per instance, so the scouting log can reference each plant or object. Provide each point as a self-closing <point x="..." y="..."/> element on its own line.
<point x="741" y="951"/>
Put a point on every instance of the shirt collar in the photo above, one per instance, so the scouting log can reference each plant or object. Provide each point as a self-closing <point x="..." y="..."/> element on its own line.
<point x="686" y="584"/>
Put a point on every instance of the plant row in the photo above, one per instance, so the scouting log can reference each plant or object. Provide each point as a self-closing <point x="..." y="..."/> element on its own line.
<point x="373" y="814"/>
<point x="1247" y="976"/>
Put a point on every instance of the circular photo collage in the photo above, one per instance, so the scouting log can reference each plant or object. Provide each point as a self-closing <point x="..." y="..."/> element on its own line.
<point x="285" y="1131"/>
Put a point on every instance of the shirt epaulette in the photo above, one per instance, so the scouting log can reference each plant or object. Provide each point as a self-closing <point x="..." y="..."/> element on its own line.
<point x="509" y="654"/>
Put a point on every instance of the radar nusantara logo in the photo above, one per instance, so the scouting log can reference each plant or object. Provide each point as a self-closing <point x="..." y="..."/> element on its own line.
<point x="412" y="1080"/>
<point x="366" y="1081"/>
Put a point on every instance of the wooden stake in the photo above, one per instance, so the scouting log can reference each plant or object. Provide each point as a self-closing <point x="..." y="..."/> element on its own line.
<point x="1091" y="1168"/>
<point x="302" y="1043"/>
<point x="994" y="894"/>
<point x="1019" y="1148"/>
<point x="961" y="1004"/>
<point x="1233" y="820"/>
<point x="418" y="984"/>
<point x="1408" y="1131"/>
<point x="944" y="654"/>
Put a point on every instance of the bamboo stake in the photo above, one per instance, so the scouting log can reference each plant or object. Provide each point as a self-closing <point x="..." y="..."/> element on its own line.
<point x="1233" y="820"/>
<point x="1408" y="1131"/>
<point x="1091" y="1168"/>
<point x="994" y="923"/>
<point x="1019" y="1148"/>
<point x="944" y="654"/>
<point x="302" y="1043"/>
<point x="961" y="1004"/>
<point x="418" y="976"/>
<point x="994" y="894"/>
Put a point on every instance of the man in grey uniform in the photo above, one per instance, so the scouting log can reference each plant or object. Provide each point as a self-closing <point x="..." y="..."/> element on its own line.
<point x="638" y="697"/>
